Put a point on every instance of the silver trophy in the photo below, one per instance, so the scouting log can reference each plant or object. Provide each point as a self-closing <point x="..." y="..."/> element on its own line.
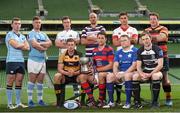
<point x="84" y="61"/>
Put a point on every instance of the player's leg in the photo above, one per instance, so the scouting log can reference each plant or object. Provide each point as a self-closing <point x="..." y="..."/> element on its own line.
<point x="136" y="90"/>
<point x="128" y="89"/>
<point x="156" y="80"/>
<point x="118" y="87"/>
<point x="110" y="79"/>
<point x="39" y="84"/>
<point x="102" y="88"/>
<point x="10" y="71"/>
<point x="32" y="74"/>
<point x="166" y="82"/>
<point x="59" y="87"/>
<point x="76" y="91"/>
<point x="87" y="89"/>
<point x="18" y="84"/>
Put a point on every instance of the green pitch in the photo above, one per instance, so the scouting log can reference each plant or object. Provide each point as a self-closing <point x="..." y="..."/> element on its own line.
<point x="49" y="98"/>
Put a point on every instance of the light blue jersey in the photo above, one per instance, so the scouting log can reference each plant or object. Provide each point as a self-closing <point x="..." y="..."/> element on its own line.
<point x="126" y="58"/>
<point x="34" y="54"/>
<point x="13" y="54"/>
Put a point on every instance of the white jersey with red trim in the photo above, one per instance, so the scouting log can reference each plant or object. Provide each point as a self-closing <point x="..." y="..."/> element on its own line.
<point x="130" y="31"/>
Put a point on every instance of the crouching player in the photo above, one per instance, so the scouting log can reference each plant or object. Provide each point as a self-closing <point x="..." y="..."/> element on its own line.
<point x="124" y="66"/>
<point x="149" y="65"/>
<point x="103" y="61"/>
<point x="69" y="72"/>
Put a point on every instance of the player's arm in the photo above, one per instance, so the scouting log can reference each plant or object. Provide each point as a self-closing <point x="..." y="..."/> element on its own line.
<point x="162" y="37"/>
<point x="115" y="67"/>
<point x="46" y="44"/>
<point x="116" y="41"/>
<point x="26" y="46"/>
<point x="132" y="67"/>
<point x="15" y="44"/>
<point x="37" y="45"/>
<point x="88" y="40"/>
<point x="60" y="43"/>
<point x="139" y="68"/>
<point x="61" y="70"/>
<point x="158" y="67"/>
<point x="105" y="68"/>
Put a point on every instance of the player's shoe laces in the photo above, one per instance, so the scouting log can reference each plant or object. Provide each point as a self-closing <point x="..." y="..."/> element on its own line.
<point x="10" y="106"/>
<point x="155" y="105"/>
<point x="91" y="103"/>
<point x="21" y="106"/>
<point x="100" y="103"/>
<point x="118" y="103"/>
<point x="42" y="103"/>
<point x="127" y="106"/>
<point x="31" y="103"/>
<point x="109" y="105"/>
<point x="169" y="102"/>
<point x="138" y="106"/>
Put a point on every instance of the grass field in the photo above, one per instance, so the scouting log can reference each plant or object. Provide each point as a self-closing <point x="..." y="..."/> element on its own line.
<point x="49" y="97"/>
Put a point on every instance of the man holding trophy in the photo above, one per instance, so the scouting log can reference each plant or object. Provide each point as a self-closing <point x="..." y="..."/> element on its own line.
<point x="72" y="68"/>
<point x="89" y="39"/>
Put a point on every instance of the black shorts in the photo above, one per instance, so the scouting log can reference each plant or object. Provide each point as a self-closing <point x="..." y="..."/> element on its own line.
<point x="70" y="79"/>
<point x="15" y="67"/>
<point x="165" y="65"/>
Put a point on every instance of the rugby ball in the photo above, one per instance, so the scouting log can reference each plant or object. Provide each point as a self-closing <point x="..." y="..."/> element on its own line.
<point x="71" y="104"/>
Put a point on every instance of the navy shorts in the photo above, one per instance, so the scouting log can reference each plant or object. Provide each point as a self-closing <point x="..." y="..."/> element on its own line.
<point x="15" y="67"/>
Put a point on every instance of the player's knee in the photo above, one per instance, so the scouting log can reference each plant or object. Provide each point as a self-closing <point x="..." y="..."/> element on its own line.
<point x="110" y="77"/>
<point x="57" y="78"/>
<point x="128" y="77"/>
<point x="157" y="76"/>
<point x="136" y="76"/>
<point x="82" y="78"/>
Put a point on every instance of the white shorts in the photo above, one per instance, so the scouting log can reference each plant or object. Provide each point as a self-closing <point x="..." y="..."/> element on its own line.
<point x="36" y="67"/>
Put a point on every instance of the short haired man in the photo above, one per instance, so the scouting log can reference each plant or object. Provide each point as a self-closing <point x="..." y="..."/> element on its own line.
<point x="123" y="29"/>
<point x="68" y="70"/>
<point x="159" y="36"/>
<point x="103" y="57"/>
<point x="15" y="67"/>
<point x="124" y="66"/>
<point x="149" y="65"/>
<point x="62" y="38"/>
<point x="39" y="43"/>
<point x="89" y="38"/>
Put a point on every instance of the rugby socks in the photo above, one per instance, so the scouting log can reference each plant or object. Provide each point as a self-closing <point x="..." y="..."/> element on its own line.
<point x="102" y="91"/>
<point x="76" y="91"/>
<point x="60" y="94"/>
<point x="87" y="89"/>
<point x="39" y="91"/>
<point x="136" y="91"/>
<point x="83" y="96"/>
<point x="9" y="92"/>
<point x="118" y="92"/>
<point x="18" y="95"/>
<point x="155" y="90"/>
<point x="30" y="89"/>
<point x="167" y="90"/>
<point x="110" y="90"/>
<point x="128" y="90"/>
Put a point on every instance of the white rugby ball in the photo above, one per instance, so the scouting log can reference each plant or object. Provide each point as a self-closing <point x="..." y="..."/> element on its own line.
<point x="71" y="104"/>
